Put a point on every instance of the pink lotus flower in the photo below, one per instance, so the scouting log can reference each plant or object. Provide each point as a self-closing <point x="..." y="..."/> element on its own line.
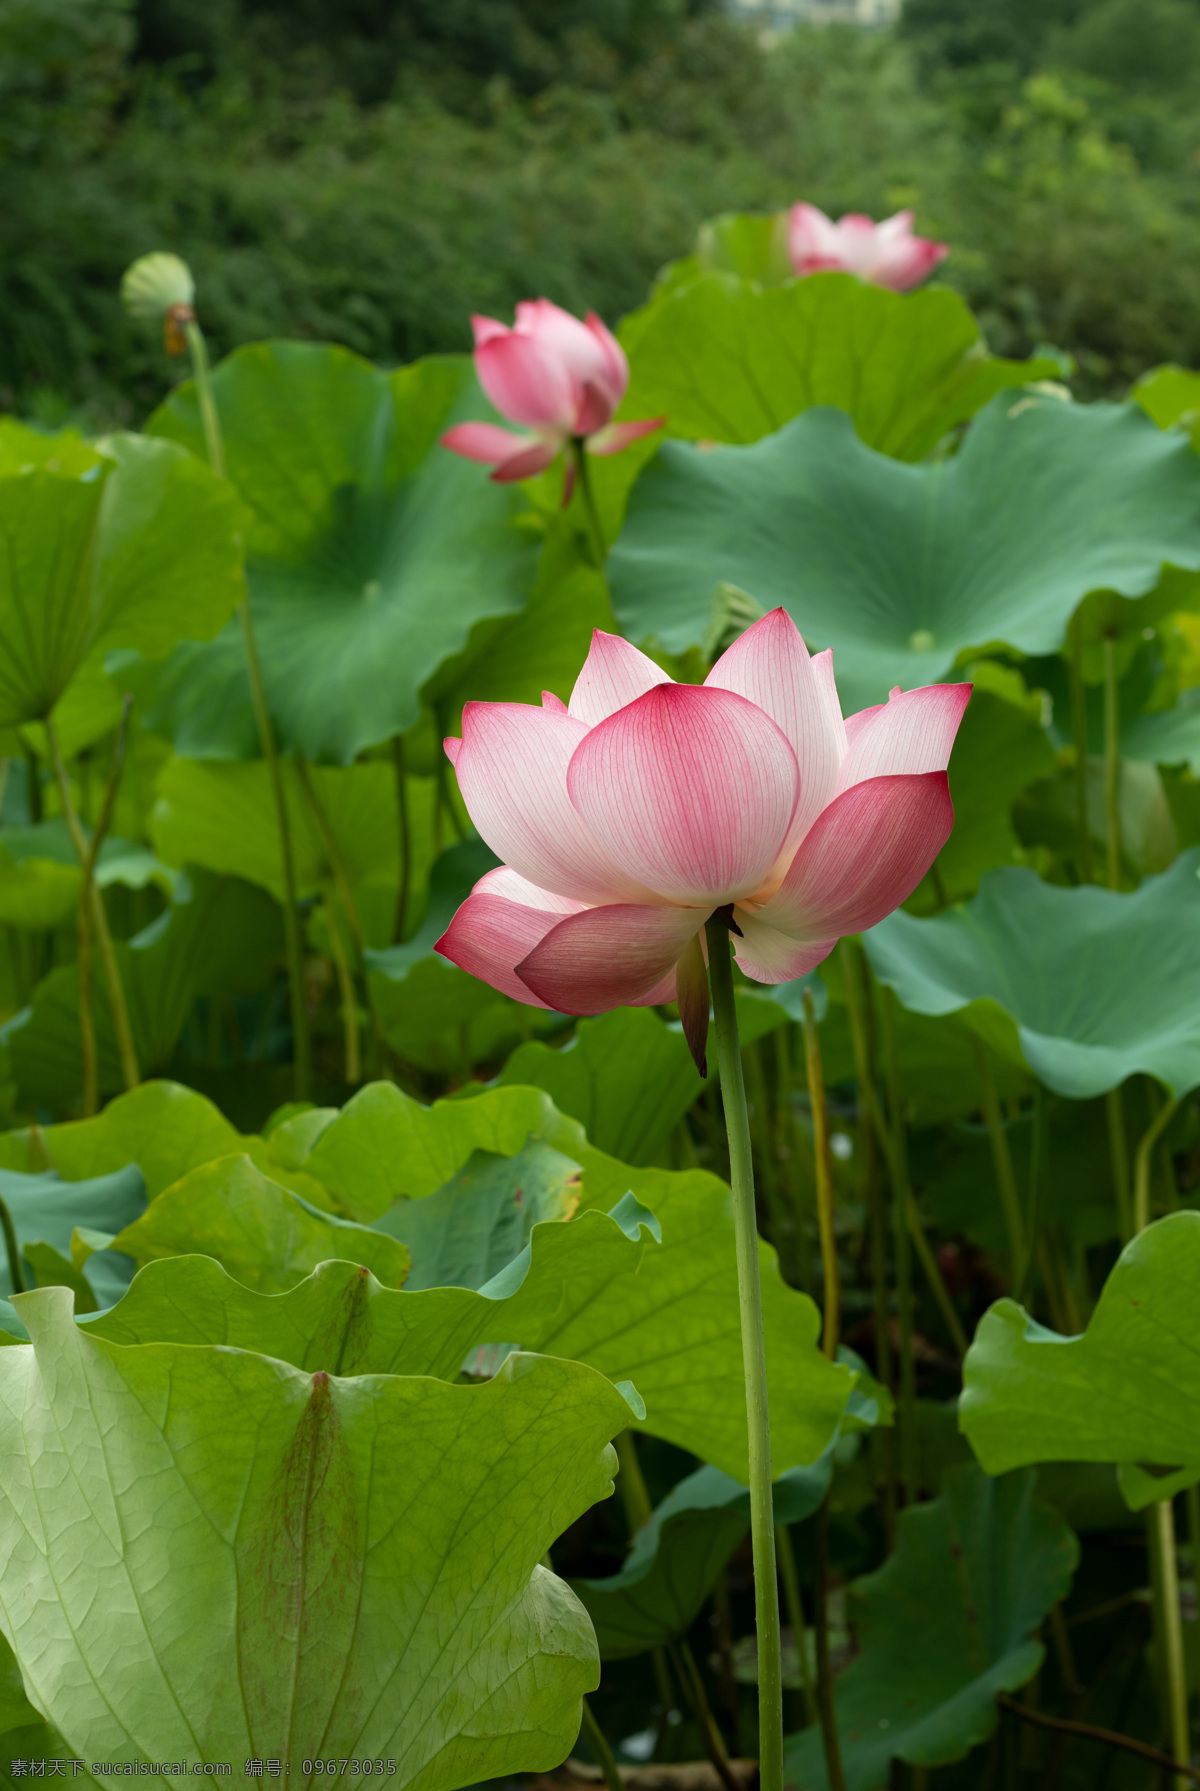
<point x="630" y="815"/>
<point x="560" y="378"/>
<point x="886" y="254"/>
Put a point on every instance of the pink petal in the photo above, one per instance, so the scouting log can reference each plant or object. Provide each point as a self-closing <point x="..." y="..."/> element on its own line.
<point x="550" y="701"/>
<point x="862" y="857"/>
<point x="452" y="747"/>
<point x="617" y="956"/>
<point x="486" y="329"/>
<point x="811" y="236"/>
<point x="527" y="382"/>
<point x="573" y="344"/>
<point x="770" y="956"/>
<point x="822" y="665"/>
<point x="690" y="791"/>
<point x="620" y="435"/>
<point x="912" y="732"/>
<point x="769" y="666"/>
<point x="614" y="673"/>
<point x="485" y="441"/>
<point x="616" y="366"/>
<point x="691" y="992"/>
<point x="504" y="881"/>
<point x="904" y="265"/>
<point x="531" y="460"/>
<point x="489" y="935"/>
<point x="512" y="773"/>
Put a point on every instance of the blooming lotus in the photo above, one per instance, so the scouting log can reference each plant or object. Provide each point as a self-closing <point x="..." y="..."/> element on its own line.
<point x="630" y="815"/>
<point x="886" y="254"/>
<point x="559" y="378"/>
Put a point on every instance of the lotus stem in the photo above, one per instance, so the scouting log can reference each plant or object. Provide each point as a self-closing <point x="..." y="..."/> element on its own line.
<point x="12" y="1249"/>
<point x="1143" y="1162"/>
<point x="595" y="531"/>
<point x="762" y="1516"/>
<point x="834" y="1770"/>
<point x="688" y="1674"/>
<point x="1063" y="1725"/>
<point x="1006" y="1180"/>
<point x="87" y="1028"/>
<point x="1079" y="733"/>
<point x="1118" y="1148"/>
<point x="907" y="1408"/>
<point x="293" y="945"/>
<point x="795" y="1611"/>
<point x="90" y="894"/>
<point x="595" y="1738"/>
<point x="1169" y="1627"/>
<point x="1037" y="1149"/>
<point x="831" y="1330"/>
<point x="347" y="992"/>
<point x="631" y="1484"/>
<point x="768" y="1161"/>
<point x="1112" y="764"/>
<point x="404" y="830"/>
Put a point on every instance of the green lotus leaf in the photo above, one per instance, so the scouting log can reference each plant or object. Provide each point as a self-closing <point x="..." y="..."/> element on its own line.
<point x="370" y="546"/>
<point x="676" y="1556"/>
<point x="128" y="546"/>
<point x="945" y="1626"/>
<point x="1091" y="986"/>
<point x="220" y="933"/>
<point x="900" y="569"/>
<point x="1126" y="1391"/>
<point x="1170" y="395"/>
<point x="225" y="1557"/>
<point x="40" y="876"/>
<point x="726" y="362"/>
<point x="26" y="1734"/>
<point x="46" y="1209"/>
<point x="473" y="1227"/>
<point x="598" y="1288"/>
<point x="263" y="1234"/>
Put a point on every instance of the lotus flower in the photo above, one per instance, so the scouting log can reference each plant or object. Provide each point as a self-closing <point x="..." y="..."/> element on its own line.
<point x="628" y="816"/>
<point x="559" y="378"/>
<point x="886" y="254"/>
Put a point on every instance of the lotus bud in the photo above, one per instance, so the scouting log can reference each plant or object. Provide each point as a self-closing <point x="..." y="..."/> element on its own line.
<point x="161" y="286"/>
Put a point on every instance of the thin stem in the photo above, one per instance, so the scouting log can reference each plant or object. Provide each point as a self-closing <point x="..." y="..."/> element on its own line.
<point x="1170" y="1630"/>
<point x="1089" y="1732"/>
<point x="33" y="786"/>
<point x="631" y="1484"/>
<point x="1118" y="1149"/>
<point x="937" y="1281"/>
<point x="1192" y="1501"/>
<point x="792" y="1136"/>
<point x="1037" y="1149"/>
<point x="595" y="531"/>
<point x="405" y="836"/>
<point x="1143" y="1161"/>
<point x="795" y="1611"/>
<point x="87" y="1026"/>
<point x="762" y="1516"/>
<point x="728" y="1683"/>
<point x="595" y="1738"/>
<point x="91" y="894"/>
<point x="688" y="1674"/>
<point x="1079" y="732"/>
<point x="12" y="1249"/>
<point x="347" y="992"/>
<point x="1112" y="764"/>
<point x="768" y="1162"/>
<point x="907" y="1407"/>
<point x="1006" y="1180"/>
<point x="302" y="1041"/>
<point x="831" y="1328"/>
<point x="834" y="1770"/>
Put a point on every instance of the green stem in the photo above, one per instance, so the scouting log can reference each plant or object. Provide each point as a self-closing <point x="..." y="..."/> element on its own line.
<point x="834" y="1770"/>
<point x="1006" y="1180"/>
<point x="1118" y="1149"/>
<point x="792" y="1137"/>
<point x="688" y="1674"/>
<point x="1143" y="1162"/>
<point x="87" y="1029"/>
<point x="33" y="786"/>
<point x="1112" y="764"/>
<point x="728" y="1683"/>
<point x="584" y="475"/>
<point x="1170" y="1629"/>
<point x="1192" y="1499"/>
<point x="907" y="1406"/>
<point x="631" y="1484"/>
<point x="347" y="993"/>
<point x="1079" y="733"/>
<point x="795" y="1611"/>
<point x="762" y="1516"/>
<point x="831" y="1329"/>
<point x="12" y="1248"/>
<point x="293" y="943"/>
<point x="594" y="1735"/>
<point x="1037" y="1148"/>
<point x="99" y="919"/>
<point x="405" y="834"/>
<point x="768" y="1161"/>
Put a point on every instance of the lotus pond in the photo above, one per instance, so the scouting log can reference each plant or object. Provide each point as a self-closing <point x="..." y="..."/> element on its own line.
<point x="435" y="1343"/>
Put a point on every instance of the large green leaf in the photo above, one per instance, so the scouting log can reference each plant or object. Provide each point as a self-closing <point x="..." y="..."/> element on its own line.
<point x="261" y="1233"/>
<point x="45" y="1208"/>
<point x="40" y="878"/>
<point x="223" y="1556"/>
<point x="129" y="545"/>
<point x="728" y="362"/>
<point x="945" y="1625"/>
<point x="903" y="568"/>
<point x="676" y="1556"/>
<point x="220" y="933"/>
<point x="370" y="547"/>
<point x="1126" y="1391"/>
<point x="473" y="1227"/>
<point x="1088" y="985"/>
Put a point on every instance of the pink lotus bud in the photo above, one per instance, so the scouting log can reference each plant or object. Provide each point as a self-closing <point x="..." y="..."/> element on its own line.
<point x="630" y="816"/>
<point x="886" y="254"/>
<point x="558" y="378"/>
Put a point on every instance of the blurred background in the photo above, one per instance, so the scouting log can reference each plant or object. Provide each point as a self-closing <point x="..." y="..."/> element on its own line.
<point x="370" y="171"/>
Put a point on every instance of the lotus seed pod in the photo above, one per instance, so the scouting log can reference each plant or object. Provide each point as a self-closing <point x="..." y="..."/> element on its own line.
<point x="155" y="284"/>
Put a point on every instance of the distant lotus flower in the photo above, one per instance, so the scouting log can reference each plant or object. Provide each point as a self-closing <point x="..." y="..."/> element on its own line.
<point x="558" y="378"/>
<point x="629" y="816"/>
<point x="160" y="287"/>
<point x="886" y="254"/>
